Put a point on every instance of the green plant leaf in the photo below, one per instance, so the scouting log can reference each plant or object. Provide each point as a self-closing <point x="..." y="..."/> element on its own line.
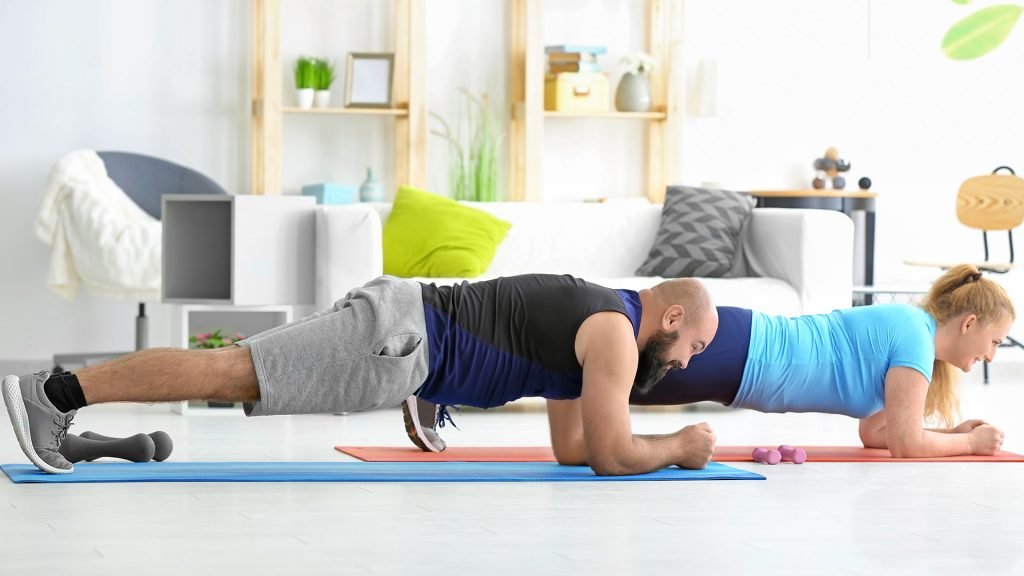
<point x="981" y="32"/>
<point x="962" y="2"/>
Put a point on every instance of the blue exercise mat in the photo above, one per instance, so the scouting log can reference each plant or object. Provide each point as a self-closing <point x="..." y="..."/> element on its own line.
<point x="353" y="472"/>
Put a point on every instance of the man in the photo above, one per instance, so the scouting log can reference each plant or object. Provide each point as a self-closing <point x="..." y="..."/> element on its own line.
<point x="714" y="376"/>
<point x="479" y="344"/>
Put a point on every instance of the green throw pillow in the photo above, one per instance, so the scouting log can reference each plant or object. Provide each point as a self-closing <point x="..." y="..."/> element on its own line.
<point x="431" y="236"/>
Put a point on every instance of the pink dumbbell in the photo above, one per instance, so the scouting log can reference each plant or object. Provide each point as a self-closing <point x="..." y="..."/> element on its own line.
<point x="770" y="457"/>
<point x="794" y="455"/>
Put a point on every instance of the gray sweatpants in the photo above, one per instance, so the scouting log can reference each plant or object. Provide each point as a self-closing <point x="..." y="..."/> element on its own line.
<point x="368" y="351"/>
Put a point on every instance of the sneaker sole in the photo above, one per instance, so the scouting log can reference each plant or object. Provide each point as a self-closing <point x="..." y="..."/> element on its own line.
<point x="19" y="419"/>
<point x="413" y="427"/>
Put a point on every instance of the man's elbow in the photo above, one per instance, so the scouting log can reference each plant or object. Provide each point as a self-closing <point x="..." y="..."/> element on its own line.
<point x="608" y="466"/>
<point x="570" y="459"/>
<point x="567" y="456"/>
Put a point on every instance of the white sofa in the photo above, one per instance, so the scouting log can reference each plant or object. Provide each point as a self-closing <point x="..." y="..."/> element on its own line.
<point x="792" y="261"/>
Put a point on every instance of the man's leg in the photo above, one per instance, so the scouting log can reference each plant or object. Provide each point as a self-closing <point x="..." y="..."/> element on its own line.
<point x="172" y="375"/>
<point x="42" y="407"/>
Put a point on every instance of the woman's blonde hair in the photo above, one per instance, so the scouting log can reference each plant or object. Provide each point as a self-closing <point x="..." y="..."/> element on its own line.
<point x="962" y="289"/>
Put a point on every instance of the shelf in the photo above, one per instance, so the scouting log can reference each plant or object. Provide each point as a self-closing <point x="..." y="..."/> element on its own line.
<point x="348" y="111"/>
<point x="656" y="116"/>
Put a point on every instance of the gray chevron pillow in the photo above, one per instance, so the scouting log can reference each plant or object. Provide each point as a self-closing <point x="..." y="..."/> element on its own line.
<point x="699" y="233"/>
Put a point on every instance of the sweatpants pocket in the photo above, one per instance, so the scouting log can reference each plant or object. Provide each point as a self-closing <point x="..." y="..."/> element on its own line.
<point x="398" y="346"/>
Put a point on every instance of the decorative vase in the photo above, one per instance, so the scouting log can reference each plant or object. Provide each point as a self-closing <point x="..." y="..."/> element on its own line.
<point x="633" y="93"/>
<point x="322" y="98"/>
<point x="371" y="190"/>
<point x="304" y="97"/>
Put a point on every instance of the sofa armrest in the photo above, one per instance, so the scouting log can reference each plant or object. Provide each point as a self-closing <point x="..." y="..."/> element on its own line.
<point x="349" y="250"/>
<point x="810" y="249"/>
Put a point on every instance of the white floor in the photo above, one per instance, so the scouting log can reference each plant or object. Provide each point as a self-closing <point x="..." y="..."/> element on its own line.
<point x="818" y="518"/>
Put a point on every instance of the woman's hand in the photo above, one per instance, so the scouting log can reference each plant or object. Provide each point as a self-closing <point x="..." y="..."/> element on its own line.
<point x="985" y="439"/>
<point x="967" y="426"/>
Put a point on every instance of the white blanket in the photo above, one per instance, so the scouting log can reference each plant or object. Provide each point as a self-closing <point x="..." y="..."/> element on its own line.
<point x="98" y="236"/>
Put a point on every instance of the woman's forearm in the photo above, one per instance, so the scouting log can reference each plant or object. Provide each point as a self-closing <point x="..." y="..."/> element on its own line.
<point x="929" y="444"/>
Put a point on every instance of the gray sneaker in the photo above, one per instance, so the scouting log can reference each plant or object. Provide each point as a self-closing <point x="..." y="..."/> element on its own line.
<point x="421" y="424"/>
<point x="39" y="426"/>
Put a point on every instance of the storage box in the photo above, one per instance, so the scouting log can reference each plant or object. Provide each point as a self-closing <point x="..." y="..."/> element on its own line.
<point x="331" y="193"/>
<point x="576" y="92"/>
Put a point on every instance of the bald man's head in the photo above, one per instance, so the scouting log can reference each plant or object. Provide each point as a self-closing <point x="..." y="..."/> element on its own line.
<point x="685" y="323"/>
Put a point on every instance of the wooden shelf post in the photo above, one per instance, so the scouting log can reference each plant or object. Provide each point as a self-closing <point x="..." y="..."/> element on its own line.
<point x="410" y="92"/>
<point x="664" y="20"/>
<point x="266" y="97"/>
<point x="526" y="87"/>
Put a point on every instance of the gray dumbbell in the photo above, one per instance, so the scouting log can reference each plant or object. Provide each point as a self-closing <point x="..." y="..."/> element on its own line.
<point x="161" y="440"/>
<point x="137" y="448"/>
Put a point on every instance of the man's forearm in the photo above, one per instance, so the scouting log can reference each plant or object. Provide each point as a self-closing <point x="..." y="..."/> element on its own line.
<point x="645" y="453"/>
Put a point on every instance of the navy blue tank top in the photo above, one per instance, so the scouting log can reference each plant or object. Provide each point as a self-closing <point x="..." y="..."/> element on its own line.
<point x="495" y="341"/>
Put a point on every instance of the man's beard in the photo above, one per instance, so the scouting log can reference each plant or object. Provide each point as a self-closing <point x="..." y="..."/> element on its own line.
<point x="652" y="366"/>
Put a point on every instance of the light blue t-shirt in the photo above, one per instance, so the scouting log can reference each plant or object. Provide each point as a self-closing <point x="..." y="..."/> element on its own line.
<point x="833" y="363"/>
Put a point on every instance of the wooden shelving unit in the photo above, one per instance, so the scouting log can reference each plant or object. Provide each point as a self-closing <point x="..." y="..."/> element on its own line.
<point x="409" y="92"/>
<point x="526" y="89"/>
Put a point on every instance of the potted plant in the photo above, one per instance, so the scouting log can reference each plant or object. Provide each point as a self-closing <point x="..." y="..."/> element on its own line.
<point x="212" y="340"/>
<point x="634" y="91"/>
<point x="324" y="79"/>
<point x="305" y="80"/>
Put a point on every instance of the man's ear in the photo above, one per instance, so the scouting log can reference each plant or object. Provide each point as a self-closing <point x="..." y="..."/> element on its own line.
<point x="673" y="318"/>
<point x="968" y="321"/>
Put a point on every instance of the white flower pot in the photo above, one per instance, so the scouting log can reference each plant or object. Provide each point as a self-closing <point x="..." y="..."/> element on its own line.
<point x="304" y="97"/>
<point x="322" y="98"/>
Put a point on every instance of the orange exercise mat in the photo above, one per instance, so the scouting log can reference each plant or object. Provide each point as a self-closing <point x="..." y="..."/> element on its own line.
<point x="722" y="454"/>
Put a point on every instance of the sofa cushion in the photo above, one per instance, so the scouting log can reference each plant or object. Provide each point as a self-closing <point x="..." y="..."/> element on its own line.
<point x="699" y="233"/>
<point x="428" y="235"/>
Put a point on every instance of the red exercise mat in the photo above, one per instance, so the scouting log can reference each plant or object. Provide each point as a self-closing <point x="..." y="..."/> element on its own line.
<point x="855" y="454"/>
<point x="722" y="454"/>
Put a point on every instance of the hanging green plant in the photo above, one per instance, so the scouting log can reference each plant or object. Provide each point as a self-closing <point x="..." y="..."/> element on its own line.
<point x="981" y="32"/>
<point x="473" y="148"/>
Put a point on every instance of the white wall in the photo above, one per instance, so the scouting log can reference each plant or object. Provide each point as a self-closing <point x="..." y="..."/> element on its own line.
<point x="167" y="78"/>
<point x="171" y="78"/>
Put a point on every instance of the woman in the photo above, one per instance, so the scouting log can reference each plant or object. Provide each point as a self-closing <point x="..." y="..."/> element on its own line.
<point x="889" y="365"/>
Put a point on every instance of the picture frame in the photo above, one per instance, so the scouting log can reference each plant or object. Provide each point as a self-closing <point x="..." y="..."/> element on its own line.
<point x="369" y="78"/>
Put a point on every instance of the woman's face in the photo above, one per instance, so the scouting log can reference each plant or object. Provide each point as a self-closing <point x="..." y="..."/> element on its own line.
<point x="978" y="341"/>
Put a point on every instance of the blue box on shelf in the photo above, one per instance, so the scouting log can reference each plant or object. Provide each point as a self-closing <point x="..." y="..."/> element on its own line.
<point x="332" y="193"/>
